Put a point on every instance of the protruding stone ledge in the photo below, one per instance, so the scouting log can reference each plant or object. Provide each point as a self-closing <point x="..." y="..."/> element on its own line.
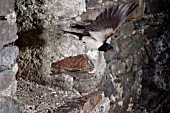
<point x="76" y="63"/>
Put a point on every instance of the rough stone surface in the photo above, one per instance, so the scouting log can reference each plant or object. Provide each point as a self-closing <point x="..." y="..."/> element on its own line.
<point x="156" y="6"/>
<point x="39" y="98"/>
<point x="33" y="14"/>
<point x="8" y="55"/>
<point x="131" y="44"/>
<point x="62" y="80"/>
<point x="81" y="105"/>
<point x="6" y="79"/>
<point x="79" y="62"/>
<point x="91" y="3"/>
<point x="7" y="33"/>
<point x="137" y="14"/>
<point x="126" y="29"/>
<point x="102" y="107"/>
<point x="9" y="105"/>
<point x="6" y="7"/>
<point x="155" y="82"/>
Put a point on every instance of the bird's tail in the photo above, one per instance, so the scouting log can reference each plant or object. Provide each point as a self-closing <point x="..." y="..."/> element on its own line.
<point x="80" y="35"/>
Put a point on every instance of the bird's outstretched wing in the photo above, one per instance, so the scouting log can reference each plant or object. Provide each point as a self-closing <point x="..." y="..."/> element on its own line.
<point x="108" y="21"/>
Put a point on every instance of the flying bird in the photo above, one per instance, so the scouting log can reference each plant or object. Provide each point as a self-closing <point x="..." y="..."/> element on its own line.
<point x="99" y="30"/>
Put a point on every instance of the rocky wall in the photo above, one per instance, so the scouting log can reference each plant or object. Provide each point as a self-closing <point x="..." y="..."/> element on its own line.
<point x="58" y="73"/>
<point x="155" y="78"/>
<point x="8" y="55"/>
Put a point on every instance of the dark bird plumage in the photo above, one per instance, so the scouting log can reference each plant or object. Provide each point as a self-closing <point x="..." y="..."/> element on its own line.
<point x="96" y="34"/>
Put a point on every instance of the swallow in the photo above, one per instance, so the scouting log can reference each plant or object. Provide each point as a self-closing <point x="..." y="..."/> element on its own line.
<point x="103" y="27"/>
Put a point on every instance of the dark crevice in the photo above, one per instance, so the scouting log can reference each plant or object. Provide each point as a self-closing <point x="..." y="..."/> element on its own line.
<point x="156" y="80"/>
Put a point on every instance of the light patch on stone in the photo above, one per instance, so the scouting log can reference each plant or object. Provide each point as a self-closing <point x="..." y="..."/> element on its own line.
<point x="2" y="100"/>
<point x="119" y="72"/>
<point x="15" y="68"/>
<point x="116" y="46"/>
<point x="131" y="99"/>
<point x="130" y="107"/>
<point x="113" y="78"/>
<point x="98" y="60"/>
<point x="81" y="7"/>
<point x="129" y="63"/>
<point x="119" y="89"/>
<point x="66" y="8"/>
<point x="113" y="98"/>
<point x="62" y="49"/>
<point x="8" y="55"/>
<point x="72" y="48"/>
<point x="11" y="18"/>
<point x="93" y="71"/>
<point x="134" y="32"/>
<point x="120" y="103"/>
<point x="78" y="18"/>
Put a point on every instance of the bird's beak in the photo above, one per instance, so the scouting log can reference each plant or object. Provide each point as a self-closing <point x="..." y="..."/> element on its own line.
<point x="109" y="50"/>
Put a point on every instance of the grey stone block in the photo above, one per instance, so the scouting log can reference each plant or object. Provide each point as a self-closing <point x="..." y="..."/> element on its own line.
<point x="7" y="33"/>
<point x="6" y="78"/>
<point x="9" y="105"/>
<point x="8" y="55"/>
<point x="8" y="83"/>
<point x="6" y="7"/>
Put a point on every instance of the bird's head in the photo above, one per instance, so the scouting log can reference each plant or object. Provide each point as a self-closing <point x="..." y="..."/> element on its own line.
<point x="105" y="47"/>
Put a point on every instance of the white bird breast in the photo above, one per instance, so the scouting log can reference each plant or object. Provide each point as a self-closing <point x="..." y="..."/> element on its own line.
<point x="102" y="35"/>
<point x="91" y="42"/>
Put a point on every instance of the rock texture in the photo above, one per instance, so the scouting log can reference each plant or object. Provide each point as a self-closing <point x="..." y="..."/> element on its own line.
<point x="79" y="62"/>
<point x="8" y="30"/>
<point x="9" y="105"/>
<point x="58" y="73"/>
<point x="84" y="104"/>
<point x="7" y="7"/>
<point x="8" y="55"/>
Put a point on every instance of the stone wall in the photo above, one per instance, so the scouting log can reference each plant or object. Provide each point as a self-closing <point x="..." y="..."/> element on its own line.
<point x="8" y="55"/>
<point x="58" y="73"/>
<point x="155" y="78"/>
